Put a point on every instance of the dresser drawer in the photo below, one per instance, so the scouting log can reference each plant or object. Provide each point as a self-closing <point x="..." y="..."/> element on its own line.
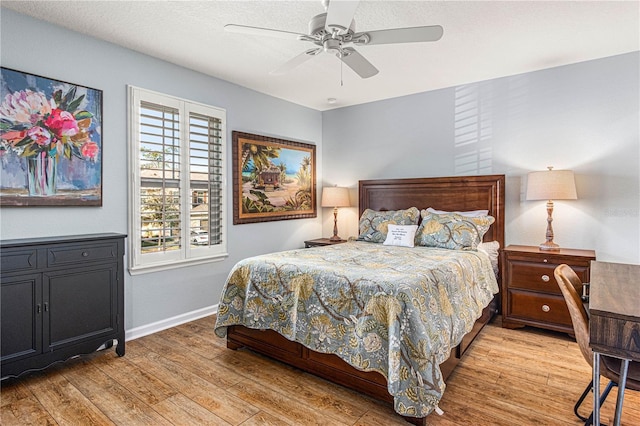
<point x="19" y="259"/>
<point x="82" y="253"/>
<point x="548" y="309"/>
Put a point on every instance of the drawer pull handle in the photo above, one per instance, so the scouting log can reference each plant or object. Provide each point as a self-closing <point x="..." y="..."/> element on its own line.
<point x="85" y="254"/>
<point x="545" y="278"/>
<point x="545" y="308"/>
<point x="544" y="261"/>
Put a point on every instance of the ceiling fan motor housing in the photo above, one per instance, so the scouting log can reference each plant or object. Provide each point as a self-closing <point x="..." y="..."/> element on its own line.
<point x="318" y="23"/>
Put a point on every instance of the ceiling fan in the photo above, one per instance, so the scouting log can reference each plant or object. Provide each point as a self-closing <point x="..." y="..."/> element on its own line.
<point x="334" y="32"/>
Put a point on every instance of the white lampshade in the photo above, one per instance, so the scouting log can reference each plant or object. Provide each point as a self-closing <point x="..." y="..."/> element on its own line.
<point x="335" y="196"/>
<point x="551" y="185"/>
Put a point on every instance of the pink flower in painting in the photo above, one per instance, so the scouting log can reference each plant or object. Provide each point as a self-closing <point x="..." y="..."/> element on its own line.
<point x="39" y="135"/>
<point x="25" y="107"/>
<point x="89" y="150"/>
<point x="62" y="123"/>
<point x="33" y="124"/>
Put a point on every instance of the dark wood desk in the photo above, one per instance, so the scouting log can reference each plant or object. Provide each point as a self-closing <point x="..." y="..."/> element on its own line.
<point x="614" y="323"/>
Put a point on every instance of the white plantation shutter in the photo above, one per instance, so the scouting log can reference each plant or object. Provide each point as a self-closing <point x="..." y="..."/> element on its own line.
<point x="159" y="155"/>
<point x="205" y="168"/>
<point x="177" y="182"/>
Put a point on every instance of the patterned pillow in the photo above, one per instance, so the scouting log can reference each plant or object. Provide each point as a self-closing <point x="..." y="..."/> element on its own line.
<point x="373" y="225"/>
<point x="470" y="213"/>
<point x="452" y="231"/>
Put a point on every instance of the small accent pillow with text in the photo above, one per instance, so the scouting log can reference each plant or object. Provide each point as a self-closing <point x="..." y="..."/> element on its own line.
<point x="401" y="235"/>
<point x="374" y="224"/>
<point x="452" y="231"/>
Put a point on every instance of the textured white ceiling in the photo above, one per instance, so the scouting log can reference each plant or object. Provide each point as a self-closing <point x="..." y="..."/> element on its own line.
<point x="482" y="40"/>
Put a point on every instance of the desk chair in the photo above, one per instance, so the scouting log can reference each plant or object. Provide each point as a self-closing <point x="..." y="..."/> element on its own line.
<point x="569" y="284"/>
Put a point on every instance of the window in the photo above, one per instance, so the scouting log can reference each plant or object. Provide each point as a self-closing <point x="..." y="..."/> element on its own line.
<point x="177" y="182"/>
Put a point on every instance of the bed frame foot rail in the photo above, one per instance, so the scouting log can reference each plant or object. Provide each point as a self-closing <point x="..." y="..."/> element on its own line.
<point x="419" y="421"/>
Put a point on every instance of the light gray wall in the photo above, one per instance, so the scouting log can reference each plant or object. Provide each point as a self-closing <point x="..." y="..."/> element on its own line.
<point x="584" y="117"/>
<point x="40" y="48"/>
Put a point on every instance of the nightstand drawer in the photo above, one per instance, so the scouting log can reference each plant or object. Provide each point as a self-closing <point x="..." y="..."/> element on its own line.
<point x="533" y="276"/>
<point x="546" y="309"/>
<point x="538" y="276"/>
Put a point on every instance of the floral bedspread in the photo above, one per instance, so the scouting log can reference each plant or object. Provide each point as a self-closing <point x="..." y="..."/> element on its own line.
<point x="395" y="310"/>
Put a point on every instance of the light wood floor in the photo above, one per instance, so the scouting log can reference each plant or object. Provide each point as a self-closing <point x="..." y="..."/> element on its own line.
<point x="186" y="376"/>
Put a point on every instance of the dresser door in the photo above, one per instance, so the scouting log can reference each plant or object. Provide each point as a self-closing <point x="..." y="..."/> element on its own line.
<point x="80" y="305"/>
<point x="22" y="310"/>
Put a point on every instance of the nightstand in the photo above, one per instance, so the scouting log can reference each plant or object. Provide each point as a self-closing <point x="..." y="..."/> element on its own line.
<point x="530" y="293"/>
<point x="318" y="242"/>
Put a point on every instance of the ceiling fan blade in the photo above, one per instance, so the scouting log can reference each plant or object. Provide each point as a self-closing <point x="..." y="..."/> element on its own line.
<point x="245" y="29"/>
<point x="358" y="63"/>
<point x="340" y="15"/>
<point x="295" y="61"/>
<point x="401" y="35"/>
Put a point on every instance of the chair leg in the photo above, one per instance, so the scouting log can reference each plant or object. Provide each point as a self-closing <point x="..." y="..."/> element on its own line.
<point x="581" y="400"/>
<point x="604" y="395"/>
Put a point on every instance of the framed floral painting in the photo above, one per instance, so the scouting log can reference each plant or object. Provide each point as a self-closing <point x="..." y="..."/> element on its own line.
<point x="50" y="142"/>
<point x="273" y="179"/>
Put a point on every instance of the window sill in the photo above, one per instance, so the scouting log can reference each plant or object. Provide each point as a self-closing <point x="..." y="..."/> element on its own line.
<point x="157" y="267"/>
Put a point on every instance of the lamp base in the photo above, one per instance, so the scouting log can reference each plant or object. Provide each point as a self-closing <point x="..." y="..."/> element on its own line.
<point x="335" y="237"/>
<point x="549" y="246"/>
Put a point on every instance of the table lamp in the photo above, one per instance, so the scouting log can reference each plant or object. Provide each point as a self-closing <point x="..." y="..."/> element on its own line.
<point x="551" y="185"/>
<point x="335" y="196"/>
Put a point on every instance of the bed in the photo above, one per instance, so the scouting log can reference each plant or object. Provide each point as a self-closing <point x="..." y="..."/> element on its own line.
<point x="353" y="324"/>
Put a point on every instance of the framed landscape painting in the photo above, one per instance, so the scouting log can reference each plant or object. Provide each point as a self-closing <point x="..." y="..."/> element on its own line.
<point x="273" y="179"/>
<point x="50" y="142"/>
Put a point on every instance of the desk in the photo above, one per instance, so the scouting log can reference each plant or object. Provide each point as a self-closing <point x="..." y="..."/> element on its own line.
<point x="614" y="323"/>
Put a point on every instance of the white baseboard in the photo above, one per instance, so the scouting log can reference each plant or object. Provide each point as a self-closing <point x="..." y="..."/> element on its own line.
<point x="145" y="330"/>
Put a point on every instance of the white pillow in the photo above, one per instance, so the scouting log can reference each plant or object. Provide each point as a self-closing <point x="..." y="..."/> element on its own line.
<point x="401" y="235"/>
<point x="470" y="213"/>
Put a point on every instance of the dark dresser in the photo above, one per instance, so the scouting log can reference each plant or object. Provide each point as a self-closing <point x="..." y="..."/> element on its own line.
<point x="59" y="297"/>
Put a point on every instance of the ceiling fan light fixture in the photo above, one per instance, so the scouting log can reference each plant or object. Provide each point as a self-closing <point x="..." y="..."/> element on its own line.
<point x="331" y="45"/>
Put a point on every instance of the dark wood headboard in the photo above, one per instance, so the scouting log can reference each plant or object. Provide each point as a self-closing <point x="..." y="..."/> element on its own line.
<point x="457" y="193"/>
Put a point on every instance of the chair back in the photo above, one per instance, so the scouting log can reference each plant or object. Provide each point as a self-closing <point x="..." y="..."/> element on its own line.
<point x="569" y="282"/>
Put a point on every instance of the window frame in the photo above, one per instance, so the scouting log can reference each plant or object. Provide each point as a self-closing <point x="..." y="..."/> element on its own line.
<point x="186" y="255"/>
